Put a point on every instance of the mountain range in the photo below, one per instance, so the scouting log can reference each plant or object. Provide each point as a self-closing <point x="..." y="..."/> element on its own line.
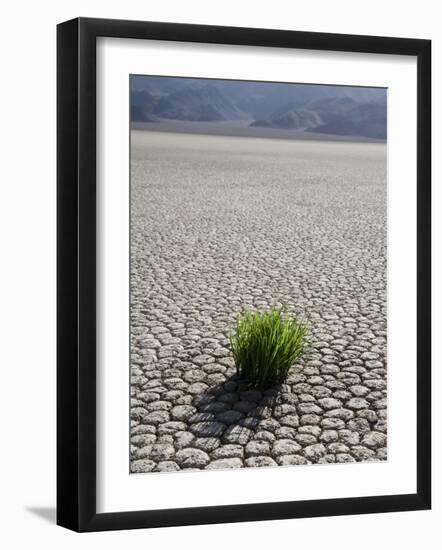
<point x="339" y="110"/>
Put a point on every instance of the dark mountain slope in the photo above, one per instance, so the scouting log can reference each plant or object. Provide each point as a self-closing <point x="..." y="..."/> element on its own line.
<point x="294" y="119"/>
<point x="142" y="104"/>
<point x="366" y="120"/>
<point x="203" y="104"/>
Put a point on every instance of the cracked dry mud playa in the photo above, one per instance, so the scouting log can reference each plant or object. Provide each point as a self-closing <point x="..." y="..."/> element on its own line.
<point x="219" y="223"/>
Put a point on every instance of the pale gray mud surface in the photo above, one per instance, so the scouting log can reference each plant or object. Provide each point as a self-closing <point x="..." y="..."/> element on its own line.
<point x="219" y="223"/>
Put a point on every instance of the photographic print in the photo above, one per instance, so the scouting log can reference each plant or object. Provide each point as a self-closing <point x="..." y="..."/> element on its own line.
<point x="258" y="274"/>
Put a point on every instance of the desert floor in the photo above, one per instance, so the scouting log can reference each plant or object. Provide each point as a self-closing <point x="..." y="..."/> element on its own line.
<point x="220" y="223"/>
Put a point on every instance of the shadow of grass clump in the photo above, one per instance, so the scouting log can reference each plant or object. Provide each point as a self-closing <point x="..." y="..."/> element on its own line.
<point x="235" y="404"/>
<point x="266" y="344"/>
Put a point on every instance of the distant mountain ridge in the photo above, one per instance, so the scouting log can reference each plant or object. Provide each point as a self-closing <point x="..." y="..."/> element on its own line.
<point x="339" y="116"/>
<point x="340" y="110"/>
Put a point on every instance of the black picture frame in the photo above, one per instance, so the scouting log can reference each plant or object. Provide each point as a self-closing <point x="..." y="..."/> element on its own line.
<point x="77" y="288"/>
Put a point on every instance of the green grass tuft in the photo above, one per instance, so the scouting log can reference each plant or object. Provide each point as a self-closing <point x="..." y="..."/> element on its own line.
<point x="266" y="344"/>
